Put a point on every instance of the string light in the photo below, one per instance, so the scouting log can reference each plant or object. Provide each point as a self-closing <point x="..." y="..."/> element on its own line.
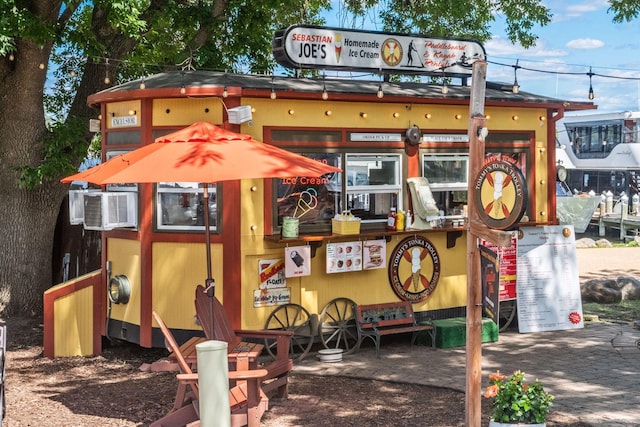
<point x="11" y="57"/>
<point x="590" y="74"/>
<point x="225" y="92"/>
<point x="380" y="93"/>
<point x="444" y="89"/>
<point x="107" y="80"/>
<point x="273" y="90"/>
<point x="516" y="87"/>
<point x="325" y="95"/>
<point x="183" y="89"/>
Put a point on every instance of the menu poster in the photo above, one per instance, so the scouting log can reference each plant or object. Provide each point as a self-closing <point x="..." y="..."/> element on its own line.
<point x="374" y="254"/>
<point x="297" y="261"/>
<point x="489" y="266"/>
<point x="548" y="286"/>
<point x="508" y="267"/>
<point x="343" y="257"/>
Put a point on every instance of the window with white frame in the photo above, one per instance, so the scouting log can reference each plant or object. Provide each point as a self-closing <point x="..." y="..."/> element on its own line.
<point x="448" y="175"/>
<point x="373" y="185"/>
<point x="180" y="206"/>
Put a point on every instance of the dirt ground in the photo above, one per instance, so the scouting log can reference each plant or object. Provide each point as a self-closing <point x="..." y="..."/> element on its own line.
<point x="110" y="390"/>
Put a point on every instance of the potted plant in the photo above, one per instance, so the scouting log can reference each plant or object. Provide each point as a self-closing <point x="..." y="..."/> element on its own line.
<point x="517" y="402"/>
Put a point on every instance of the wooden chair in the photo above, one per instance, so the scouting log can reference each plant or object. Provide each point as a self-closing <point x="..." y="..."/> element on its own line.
<point x="277" y="379"/>
<point x="247" y="401"/>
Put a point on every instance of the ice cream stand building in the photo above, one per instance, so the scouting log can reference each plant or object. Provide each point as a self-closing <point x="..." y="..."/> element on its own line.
<point x="302" y="243"/>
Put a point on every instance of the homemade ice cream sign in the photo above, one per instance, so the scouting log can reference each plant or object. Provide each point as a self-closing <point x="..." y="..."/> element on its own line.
<point x="314" y="47"/>
<point x="500" y="193"/>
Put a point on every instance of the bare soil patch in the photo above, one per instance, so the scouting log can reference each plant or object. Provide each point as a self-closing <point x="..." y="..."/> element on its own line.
<point x="110" y="390"/>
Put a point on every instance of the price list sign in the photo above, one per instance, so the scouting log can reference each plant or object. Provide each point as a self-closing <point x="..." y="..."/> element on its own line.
<point x="547" y="281"/>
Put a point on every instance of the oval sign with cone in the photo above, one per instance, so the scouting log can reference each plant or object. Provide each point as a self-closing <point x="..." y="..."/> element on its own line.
<point x="500" y="193"/>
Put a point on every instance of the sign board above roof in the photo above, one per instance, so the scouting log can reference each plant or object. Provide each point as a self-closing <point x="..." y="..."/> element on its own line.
<point x="341" y="49"/>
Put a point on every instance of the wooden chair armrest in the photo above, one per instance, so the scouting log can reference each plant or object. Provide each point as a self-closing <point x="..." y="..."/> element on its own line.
<point x="233" y="375"/>
<point x="263" y="333"/>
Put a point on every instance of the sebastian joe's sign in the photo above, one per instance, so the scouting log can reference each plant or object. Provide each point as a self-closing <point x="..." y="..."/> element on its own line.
<point x="302" y="46"/>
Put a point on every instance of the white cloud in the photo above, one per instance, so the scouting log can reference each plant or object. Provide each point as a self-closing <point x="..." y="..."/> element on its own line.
<point x="584" y="44"/>
<point x="563" y="11"/>
<point x="499" y="46"/>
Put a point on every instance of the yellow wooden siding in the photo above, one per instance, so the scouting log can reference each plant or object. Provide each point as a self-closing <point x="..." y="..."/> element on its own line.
<point x="185" y="111"/>
<point x="177" y="269"/>
<point x="73" y="324"/>
<point x="125" y="260"/>
<point x="121" y="109"/>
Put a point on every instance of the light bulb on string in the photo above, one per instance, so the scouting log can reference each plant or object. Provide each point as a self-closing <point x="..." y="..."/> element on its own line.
<point x="590" y="74"/>
<point x="11" y="57"/>
<point x="273" y="90"/>
<point x="225" y="92"/>
<point x="107" y="80"/>
<point x="516" y="87"/>
<point x="380" y="93"/>
<point x="445" y="88"/>
<point x="325" y="95"/>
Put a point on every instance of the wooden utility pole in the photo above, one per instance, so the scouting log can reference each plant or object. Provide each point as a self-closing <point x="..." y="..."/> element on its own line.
<point x="476" y="230"/>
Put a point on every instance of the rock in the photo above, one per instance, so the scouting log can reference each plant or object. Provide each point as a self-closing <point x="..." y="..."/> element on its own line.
<point x="629" y="287"/>
<point x="603" y="291"/>
<point x="603" y="243"/>
<point x="585" y="242"/>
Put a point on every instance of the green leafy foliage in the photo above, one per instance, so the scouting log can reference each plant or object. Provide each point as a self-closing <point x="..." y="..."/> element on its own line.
<point x="624" y="10"/>
<point x="515" y="401"/>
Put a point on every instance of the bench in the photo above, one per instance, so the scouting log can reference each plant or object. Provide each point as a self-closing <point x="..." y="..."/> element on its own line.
<point x="375" y="320"/>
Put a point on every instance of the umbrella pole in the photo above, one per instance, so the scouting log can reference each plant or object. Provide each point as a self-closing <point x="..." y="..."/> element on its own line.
<point x="210" y="284"/>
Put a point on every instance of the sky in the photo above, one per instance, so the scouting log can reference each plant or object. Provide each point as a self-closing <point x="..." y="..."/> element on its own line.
<point x="581" y="38"/>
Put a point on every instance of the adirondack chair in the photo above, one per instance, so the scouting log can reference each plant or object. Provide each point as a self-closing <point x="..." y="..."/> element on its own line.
<point x="247" y="401"/>
<point x="277" y="380"/>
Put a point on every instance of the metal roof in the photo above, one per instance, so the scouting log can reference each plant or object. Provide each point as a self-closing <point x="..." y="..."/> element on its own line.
<point x="498" y="92"/>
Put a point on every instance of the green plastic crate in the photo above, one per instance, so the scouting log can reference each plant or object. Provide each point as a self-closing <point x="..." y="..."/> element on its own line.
<point x="453" y="333"/>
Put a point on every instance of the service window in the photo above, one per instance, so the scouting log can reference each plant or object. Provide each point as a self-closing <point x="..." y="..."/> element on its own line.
<point x="180" y="206"/>
<point x="448" y="176"/>
<point x="373" y="184"/>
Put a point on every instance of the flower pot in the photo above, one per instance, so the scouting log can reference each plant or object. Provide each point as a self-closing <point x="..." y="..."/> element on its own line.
<point x="497" y="424"/>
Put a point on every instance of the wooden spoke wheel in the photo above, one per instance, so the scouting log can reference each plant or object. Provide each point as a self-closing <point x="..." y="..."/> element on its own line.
<point x="508" y="311"/>
<point x="337" y="327"/>
<point x="292" y="317"/>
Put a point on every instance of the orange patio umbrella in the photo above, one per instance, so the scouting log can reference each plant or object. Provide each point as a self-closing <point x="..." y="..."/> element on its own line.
<point x="202" y="153"/>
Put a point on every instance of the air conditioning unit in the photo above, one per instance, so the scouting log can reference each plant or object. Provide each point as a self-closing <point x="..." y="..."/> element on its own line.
<point x="109" y="210"/>
<point x="239" y="115"/>
<point x="76" y="205"/>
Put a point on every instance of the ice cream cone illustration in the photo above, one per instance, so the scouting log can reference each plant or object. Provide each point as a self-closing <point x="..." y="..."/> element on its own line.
<point x="338" y="46"/>
<point x="415" y="268"/>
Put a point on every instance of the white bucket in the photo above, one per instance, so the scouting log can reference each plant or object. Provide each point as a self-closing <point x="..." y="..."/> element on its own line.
<point x="330" y="355"/>
<point x="290" y="227"/>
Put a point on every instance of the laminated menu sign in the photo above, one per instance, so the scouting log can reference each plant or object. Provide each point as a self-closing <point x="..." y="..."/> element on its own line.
<point x="344" y="257"/>
<point x="374" y="254"/>
<point x="297" y="261"/>
<point x="549" y="296"/>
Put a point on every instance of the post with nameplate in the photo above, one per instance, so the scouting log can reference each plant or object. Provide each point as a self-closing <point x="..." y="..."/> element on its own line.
<point x="476" y="229"/>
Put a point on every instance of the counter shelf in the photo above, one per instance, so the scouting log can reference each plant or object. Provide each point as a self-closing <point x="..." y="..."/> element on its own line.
<point x="316" y="240"/>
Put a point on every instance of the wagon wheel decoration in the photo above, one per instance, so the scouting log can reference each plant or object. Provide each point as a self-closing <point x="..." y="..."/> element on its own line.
<point x="292" y="317"/>
<point x="338" y="325"/>
<point x="507" y="313"/>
